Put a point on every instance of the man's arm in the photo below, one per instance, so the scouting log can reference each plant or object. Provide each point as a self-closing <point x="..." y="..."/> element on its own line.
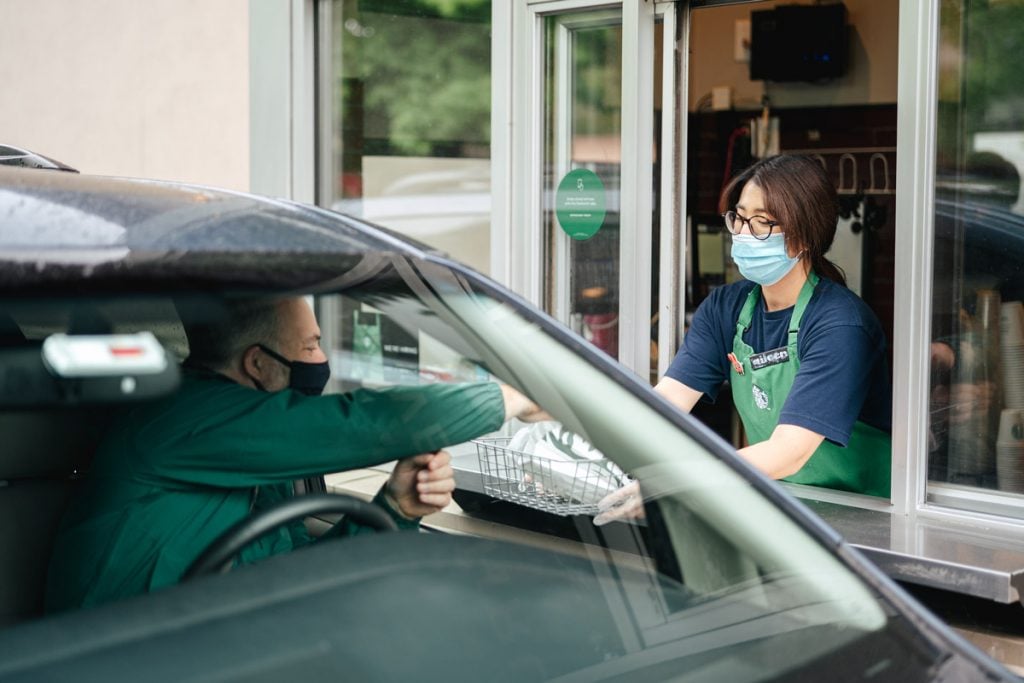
<point x="236" y="437"/>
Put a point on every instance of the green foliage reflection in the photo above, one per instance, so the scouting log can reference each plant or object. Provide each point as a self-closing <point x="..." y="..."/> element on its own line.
<point x="415" y="75"/>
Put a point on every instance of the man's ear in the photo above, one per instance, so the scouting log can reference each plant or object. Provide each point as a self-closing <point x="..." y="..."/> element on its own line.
<point x="252" y="363"/>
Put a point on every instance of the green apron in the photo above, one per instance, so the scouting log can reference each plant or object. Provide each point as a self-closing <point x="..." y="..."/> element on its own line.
<point x="760" y="390"/>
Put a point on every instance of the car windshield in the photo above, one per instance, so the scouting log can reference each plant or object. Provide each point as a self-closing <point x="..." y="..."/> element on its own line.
<point x="713" y="579"/>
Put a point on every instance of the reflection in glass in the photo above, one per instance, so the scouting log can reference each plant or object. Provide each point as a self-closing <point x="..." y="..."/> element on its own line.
<point x="410" y="105"/>
<point x="696" y="587"/>
<point x="698" y="590"/>
<point x="976" y="434"/>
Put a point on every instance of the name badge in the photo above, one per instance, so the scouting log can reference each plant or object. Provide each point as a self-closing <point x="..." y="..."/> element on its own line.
<point x="767" y="358"/>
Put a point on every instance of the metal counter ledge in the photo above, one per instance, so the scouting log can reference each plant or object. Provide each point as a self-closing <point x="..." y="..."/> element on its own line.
<point x="961" y="560"/>
<point x="947" y="556"/>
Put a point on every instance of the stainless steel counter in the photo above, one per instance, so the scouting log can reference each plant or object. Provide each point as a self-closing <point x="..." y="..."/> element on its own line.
<point x="962" y="560"/>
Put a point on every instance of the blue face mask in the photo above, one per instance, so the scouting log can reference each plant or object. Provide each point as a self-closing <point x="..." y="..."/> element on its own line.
<point x="762" y="261"/>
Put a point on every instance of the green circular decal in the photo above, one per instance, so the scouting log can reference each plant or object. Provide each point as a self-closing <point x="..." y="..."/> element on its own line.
<point x="580" y="204"/>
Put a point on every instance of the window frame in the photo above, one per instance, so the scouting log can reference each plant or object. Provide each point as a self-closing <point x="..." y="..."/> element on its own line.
<point x="915" y="246"/>
<point x="915" y="241"/>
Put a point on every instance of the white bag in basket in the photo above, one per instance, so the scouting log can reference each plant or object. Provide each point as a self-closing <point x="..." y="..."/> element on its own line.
<point x="565" y="463"/>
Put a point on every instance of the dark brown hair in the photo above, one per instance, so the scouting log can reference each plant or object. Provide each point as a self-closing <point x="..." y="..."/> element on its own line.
<point x="800" y="196"/>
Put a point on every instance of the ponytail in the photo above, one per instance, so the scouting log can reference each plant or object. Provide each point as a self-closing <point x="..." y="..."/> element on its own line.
<point x="825" y="268"/>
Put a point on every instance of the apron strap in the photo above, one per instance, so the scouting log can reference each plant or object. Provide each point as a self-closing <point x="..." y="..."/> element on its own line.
<point x="747" y="312"/>
<point x="806" y="292"/>
<point x="750" y="305"/>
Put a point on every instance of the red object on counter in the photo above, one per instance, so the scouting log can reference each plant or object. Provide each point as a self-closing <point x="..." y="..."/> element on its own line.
<point x="604" y="332"/>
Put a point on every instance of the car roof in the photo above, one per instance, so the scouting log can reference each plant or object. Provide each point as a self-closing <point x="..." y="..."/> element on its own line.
<point x="86" y="232"/>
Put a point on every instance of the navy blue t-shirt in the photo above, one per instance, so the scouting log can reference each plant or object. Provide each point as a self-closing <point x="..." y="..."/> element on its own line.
<point x="843" y="376"/>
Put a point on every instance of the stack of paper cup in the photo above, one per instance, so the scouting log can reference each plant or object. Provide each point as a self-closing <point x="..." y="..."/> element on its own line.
<point x="988" y="310"/>
<point x="1010" y="450"/>
<point x="972" y="457"/>
<point x="971" y="454"/>
<point x="1011" y="343"/>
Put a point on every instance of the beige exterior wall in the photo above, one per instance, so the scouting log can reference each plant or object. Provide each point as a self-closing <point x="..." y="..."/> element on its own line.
<point x="153" y="88"/>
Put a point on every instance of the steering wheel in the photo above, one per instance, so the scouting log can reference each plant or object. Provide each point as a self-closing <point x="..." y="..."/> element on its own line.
<point x="221" y="551"/>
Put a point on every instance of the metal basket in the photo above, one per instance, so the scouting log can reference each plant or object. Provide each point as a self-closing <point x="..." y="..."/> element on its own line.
<point x="556" y="486"/>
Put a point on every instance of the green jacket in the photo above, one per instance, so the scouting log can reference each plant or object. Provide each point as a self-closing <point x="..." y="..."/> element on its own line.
<point x="172" y="475"/>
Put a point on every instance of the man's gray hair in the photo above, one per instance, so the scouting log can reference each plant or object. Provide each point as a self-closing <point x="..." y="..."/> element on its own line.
<point x="216" y="341"/>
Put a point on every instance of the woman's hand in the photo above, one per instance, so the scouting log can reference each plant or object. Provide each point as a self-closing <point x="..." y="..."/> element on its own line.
<point x="621" y="505"/>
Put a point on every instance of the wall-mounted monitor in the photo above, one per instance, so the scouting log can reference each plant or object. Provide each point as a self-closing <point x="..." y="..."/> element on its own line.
<point x="799" y="43"/>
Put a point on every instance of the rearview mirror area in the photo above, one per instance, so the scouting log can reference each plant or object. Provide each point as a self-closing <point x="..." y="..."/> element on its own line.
<point x="66" y="370"/>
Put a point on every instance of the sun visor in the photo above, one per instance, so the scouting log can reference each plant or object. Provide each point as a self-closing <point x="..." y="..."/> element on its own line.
<point x="86" y="369"/>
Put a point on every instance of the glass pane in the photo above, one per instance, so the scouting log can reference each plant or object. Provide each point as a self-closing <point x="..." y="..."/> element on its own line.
<point x="411" y="106"/>
<point x="694" y="578"/>
<point x="583" y="124"/>
<point x="695" y="589"/>
<point x="977" y="350"/>
<point x="370" y="347"/>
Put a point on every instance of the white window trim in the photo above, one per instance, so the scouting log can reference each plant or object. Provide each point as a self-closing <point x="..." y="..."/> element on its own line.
<point x="637" y="185"/>
<point x="323" y="100"/>
<point x="915" y="205"/>
<point x="281" y="99"/>
<point x="502" y="78"/>
<point x="517" y="256"/>
<point x="674" y="120"/>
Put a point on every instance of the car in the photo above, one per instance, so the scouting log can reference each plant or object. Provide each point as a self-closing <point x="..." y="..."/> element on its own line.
<point x="725" y="578"/>
<point x="17" y="156"/>
<point x="990" y="241"/>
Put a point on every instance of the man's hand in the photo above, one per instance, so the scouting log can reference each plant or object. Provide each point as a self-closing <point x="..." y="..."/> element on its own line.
<point x="422" y="484"/>
<point x="518" y="406"/>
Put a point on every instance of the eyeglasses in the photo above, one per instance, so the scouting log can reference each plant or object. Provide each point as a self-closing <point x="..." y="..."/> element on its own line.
<point x="758" y="226"/>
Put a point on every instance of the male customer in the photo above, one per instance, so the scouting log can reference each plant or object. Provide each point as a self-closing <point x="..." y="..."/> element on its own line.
<point x="248" y="419"/>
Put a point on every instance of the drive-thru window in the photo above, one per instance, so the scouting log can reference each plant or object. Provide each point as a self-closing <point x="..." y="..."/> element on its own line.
<point x="575" y="150"/>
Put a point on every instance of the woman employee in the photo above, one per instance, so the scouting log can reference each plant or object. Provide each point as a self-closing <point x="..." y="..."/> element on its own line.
<point x="805" y="357"/>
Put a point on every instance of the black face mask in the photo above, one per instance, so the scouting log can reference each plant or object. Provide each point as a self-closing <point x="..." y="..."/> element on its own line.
<point x="306" y="378"/>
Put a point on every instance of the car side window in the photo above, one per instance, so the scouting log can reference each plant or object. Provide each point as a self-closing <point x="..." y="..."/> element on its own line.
<point x="371" y="347"/>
